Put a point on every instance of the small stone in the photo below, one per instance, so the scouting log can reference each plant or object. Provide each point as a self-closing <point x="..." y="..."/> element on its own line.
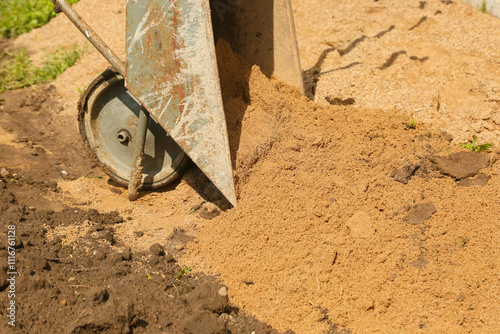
<point x="179" y="247"/>
<point x="71" y="279"/>
<point x="99" y="254"/>
<point x="138" y="234"/>
<point x="64" y="173"/>
<point x="157" y="249"/>
<point x="127" y="255"/>
<point x="420" y="213"/>
<point x="222" y="291"/>
<point x="4" y="172"/>
<point x="63" y="302"/>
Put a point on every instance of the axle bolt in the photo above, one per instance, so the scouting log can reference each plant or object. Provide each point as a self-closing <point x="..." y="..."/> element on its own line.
<point x="123" y="136"/>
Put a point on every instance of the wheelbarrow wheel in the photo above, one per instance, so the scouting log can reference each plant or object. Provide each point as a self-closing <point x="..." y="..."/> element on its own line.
<point x="108" y="116"/>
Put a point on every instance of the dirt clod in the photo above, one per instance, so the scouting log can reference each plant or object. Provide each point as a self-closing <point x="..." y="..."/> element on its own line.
<point x="420" y="213"/>
<point x="405" y="173"/>
<point x="99" y="254"/>
<point x="460" y="165"/>
<point x="157" y="249"/>
<point x="481" y="180"/>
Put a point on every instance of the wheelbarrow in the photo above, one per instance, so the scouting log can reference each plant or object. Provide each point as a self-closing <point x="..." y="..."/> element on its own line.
<point x="145" y="118"/>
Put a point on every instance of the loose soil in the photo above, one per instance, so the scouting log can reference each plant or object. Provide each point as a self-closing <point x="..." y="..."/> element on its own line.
<point x="92" y="283"/>
<point x="348" y="221"/>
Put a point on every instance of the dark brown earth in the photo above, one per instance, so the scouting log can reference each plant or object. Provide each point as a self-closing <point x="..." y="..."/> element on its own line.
<point x="98" y="284"/>
<point x="46" y="148"/>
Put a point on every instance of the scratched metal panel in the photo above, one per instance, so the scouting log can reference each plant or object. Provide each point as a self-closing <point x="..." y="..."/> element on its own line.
<point x="262" y="31"/>
<point x="172" y="70"/>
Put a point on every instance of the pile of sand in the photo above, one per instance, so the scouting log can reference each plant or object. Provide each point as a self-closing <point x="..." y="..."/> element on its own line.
<point x="319" y="237"/>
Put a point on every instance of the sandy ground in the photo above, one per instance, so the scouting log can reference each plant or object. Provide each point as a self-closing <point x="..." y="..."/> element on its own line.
<point x="433" y="61"/>
<point x="323" y="239"/>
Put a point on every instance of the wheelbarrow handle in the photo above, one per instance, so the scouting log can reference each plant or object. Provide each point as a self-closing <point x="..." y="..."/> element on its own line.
<point x="63" y="6"/>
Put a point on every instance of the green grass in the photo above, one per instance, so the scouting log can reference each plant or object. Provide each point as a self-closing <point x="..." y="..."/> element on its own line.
<point x="411" y="124"/>
<point x="183" y="272"/>
<point x="483" y="8"/>
<point x="473" y="147"/>
<point x="20" y="16"/>
<point x="17" y="71"/>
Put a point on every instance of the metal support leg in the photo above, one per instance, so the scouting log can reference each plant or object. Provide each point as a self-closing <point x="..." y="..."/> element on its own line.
<point x="138" y="142"/>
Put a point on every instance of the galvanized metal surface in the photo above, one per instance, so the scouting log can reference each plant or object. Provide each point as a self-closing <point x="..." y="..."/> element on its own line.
<point x="263" y="32"/>
<point x="62" y="5"/>
<point x="172" y="70"/>
<point x="109" y="124"/>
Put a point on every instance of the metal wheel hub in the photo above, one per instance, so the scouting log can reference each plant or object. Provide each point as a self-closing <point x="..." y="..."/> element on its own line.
<point x="108" y="120"/>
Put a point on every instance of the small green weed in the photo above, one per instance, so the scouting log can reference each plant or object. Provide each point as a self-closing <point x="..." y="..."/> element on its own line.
<point x="89" y="175"/>
<point x="20" y="16"/>
<point x="477" y="148"/>
<point x="18" y="71"/>
<point x="183" y="272"/>
<point x="411" y="124"/>
<point x="483" y="8"/>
